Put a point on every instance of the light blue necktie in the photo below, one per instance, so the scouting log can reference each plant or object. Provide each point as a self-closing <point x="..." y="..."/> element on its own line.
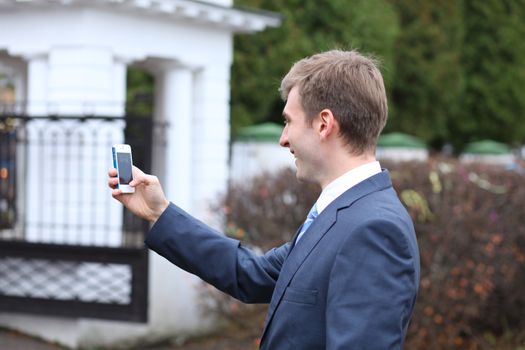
<point x="312" y="214"/>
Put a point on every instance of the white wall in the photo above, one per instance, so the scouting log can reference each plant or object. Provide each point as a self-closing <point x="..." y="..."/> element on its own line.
<point x="401" y="154"/>
<point x="495" y="159"/>
<point x="221" y="2"/>
<point x="250" y="159"/>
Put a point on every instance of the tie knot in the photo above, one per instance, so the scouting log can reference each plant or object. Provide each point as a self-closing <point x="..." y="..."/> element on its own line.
<point x="312" y="214"/>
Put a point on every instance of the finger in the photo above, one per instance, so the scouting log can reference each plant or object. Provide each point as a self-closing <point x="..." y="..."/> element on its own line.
<point x="113" y="182"/>
<point x="139" y="177"/>
<point x="116" y="193"/>
<point x="112" y="172"/>
<point x="137" y="171"/>
<point x="144" y="180"/>
<point x="138" y="181"/>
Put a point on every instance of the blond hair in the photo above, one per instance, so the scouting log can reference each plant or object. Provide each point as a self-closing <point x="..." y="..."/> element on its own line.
<point x="350" y="85"/>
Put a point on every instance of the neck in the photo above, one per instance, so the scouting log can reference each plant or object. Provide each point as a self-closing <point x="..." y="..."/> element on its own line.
<point x="340" y="164"/>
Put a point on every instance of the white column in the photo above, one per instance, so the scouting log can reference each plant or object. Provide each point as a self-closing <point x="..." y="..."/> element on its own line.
<point x="177" y="107"/>
<point x="118" y="87"/>
<point x="20" y="92"/>
<point x="174" y="104"/>
<point x="158" y="157"/>
<point x="211" y="139"/>
<point x="37" y="85"/>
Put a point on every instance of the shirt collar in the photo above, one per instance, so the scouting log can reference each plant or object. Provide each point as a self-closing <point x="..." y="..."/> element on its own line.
<point x="345" y="182"/>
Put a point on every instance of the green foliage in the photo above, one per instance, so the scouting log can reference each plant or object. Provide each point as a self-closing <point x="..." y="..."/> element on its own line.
<point x="261" y="60"/>
<point x="427" y="84"/>
<point x="453" y="69"/>
<point x="139" y="92"/>
<point x="493" y="56"/>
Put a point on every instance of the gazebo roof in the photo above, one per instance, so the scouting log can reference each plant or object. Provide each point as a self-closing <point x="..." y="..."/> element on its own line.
<point x="400" y="140"/>
<point x="234" y="18"/>
<point x="265" y="132"/>
<point x="487" y="147"/>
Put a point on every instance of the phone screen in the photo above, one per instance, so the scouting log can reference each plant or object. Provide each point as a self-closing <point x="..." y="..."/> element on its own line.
<point x="124" y="168"/>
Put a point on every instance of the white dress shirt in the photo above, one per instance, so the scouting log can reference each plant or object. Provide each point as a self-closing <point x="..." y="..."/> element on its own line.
<point x="345" y="182"/>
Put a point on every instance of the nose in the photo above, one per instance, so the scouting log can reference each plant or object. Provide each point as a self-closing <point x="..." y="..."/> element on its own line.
<point x="283" y="141"/>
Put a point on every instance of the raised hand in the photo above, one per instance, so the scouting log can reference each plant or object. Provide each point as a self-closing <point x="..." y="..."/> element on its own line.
<point x="148" y="201"/>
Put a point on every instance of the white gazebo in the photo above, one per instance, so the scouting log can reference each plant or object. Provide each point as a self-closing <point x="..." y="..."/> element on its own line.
<point x="69" y="58"/>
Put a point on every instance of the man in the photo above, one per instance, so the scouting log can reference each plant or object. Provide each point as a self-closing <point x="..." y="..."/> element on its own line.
<point x="349" y="278"/>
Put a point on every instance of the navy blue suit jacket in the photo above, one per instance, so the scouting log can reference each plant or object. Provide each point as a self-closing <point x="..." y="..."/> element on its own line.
<point x="349" y="283"/>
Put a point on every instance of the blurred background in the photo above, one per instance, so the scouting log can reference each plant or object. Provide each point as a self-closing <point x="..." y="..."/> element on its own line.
<point x="192" y="86"/>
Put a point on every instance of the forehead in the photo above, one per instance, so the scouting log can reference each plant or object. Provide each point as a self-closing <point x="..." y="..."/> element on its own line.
<point x="293" y="103"/>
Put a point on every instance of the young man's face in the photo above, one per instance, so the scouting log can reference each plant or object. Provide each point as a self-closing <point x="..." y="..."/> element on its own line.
<point x="302" y="140"/>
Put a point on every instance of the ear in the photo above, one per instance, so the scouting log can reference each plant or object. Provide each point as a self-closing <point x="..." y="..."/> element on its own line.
<point x="326" y="124"/>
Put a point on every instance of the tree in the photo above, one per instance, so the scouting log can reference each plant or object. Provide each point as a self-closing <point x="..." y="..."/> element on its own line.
<point x="493" y="101"/>
<point x="429" y="78"/>
<point x="261" y="60"/>
<point x="139" y="92"/>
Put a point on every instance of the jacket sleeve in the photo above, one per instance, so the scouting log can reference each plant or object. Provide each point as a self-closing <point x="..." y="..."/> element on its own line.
<point x="372" y="290"/>
<point x="218" y="260"/>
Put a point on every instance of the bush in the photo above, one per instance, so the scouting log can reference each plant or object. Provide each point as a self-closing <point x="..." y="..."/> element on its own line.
<point x="470" y="222"/>
<point x="267" y="211"/>
<point x="471" y="228"/>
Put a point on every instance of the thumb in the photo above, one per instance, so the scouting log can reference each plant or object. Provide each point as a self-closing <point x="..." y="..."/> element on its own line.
<point x="141" y="178"/>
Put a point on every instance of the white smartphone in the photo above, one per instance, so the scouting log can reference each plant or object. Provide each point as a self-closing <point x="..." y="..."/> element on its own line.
<point x="123" y="162"/>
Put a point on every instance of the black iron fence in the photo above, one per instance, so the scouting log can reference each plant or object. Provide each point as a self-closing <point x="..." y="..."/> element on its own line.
<point x="64" y="248"/>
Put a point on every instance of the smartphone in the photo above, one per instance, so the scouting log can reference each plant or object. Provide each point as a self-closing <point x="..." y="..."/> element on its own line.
<point x="123" y="162"/>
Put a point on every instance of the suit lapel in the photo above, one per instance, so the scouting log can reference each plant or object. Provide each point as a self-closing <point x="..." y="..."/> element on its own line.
<point x="316" y="231"/>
